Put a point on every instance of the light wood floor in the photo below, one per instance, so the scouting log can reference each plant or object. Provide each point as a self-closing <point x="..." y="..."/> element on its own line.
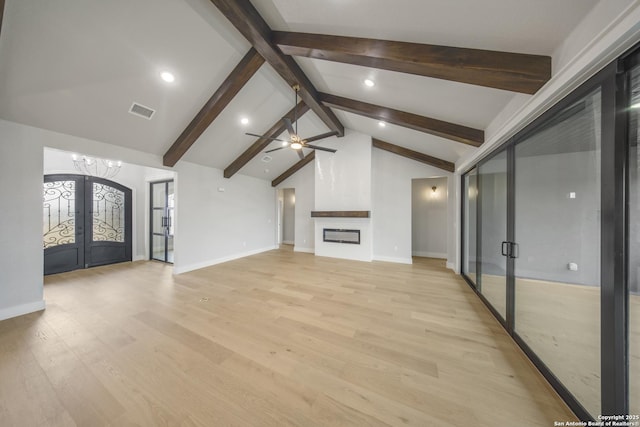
<point x="276" y="339"/>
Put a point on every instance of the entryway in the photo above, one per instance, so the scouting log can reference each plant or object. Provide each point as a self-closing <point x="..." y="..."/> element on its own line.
<point x="86" y="222"/>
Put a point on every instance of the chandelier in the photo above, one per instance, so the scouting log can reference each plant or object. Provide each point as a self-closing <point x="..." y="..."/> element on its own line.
<point x="93" y="166"/>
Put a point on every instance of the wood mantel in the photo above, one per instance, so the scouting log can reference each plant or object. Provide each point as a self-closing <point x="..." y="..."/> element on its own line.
<point x="340" y="214"/>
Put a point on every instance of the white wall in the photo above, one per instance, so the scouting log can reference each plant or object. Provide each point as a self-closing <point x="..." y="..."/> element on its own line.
<point x="429" y="217"/>
<point x="303" y="182"/>
<point x="343" y="183"/>
<point x="392" y="177"/>
<point x="343" y="179"/>
<point x="214" y="226"/>
<point x="21" y="255"/>
<point x="289" y="215"/>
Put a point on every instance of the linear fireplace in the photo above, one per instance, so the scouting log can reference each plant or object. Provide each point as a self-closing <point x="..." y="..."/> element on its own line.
<point x="338" y="235"/>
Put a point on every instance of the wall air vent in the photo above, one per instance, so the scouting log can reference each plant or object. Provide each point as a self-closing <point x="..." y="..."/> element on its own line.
<point x="141" y="111"/>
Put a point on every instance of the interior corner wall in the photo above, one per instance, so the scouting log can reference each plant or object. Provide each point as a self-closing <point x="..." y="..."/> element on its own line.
<point x="220" y="219"/>
<point x="303" y="182"/>
<point x="391" y="206"/>
<point x="429" y="217"/>
<point x="21" y="254"/>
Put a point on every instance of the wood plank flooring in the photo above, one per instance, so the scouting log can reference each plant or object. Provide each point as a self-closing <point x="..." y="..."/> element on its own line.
<point x="275" y="339"/>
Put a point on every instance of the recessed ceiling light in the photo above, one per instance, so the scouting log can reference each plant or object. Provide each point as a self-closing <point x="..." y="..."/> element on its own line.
<point x="167" y="76"/>
<point x="244" y="121"/>
<point x="382" y="124"/>
<point x="369" y="83"/>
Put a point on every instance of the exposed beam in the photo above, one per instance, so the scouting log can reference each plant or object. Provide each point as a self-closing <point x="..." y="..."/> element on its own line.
<point x="220" y="99"/>
<point x="248" y="21"/>
<point x="515" y="72"/>
<point x="452" y="131"/>
<point x="261" y="143"/>
<point x="293" y="169"/>
<point x="414" y="155"/>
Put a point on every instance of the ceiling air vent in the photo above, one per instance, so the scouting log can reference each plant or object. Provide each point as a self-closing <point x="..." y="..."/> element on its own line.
<point x="141" y="111"/>
<point x="266" y="158"/>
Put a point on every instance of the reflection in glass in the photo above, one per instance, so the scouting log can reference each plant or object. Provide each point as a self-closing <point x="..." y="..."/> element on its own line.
<point x="470" y="217"/>
<point x="492" y="182"/>
<point x="59" y="212"/>
<point x="634" y="246"/>
<point x="557" y="228"/>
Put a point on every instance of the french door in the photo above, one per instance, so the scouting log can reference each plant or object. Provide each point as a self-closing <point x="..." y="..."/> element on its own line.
<point x="162" y="220"/>
<point x="86" y="222"/>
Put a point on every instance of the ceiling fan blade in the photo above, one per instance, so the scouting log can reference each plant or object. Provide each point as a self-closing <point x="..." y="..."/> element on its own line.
<point x="300" y="154"/>
<point x="275" y="149"/>
<point x="265" y="137"/>
<point x="315" y="147"/>
<point x="289" y="125"/>
<point x="321" y="136"/>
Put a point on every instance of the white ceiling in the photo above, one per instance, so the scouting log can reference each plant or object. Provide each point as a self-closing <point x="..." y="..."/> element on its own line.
<point x="75" y="66"/>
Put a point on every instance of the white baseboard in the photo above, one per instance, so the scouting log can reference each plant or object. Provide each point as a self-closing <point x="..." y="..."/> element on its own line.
<point x="199" y="265"/>
<point x="139" y="258"/>
<point x="451" y="266"/>
<point x="430" y="254"/>
<point x="307" y="250"/>
<point x="392" y="259"/>
<point x="19" y="310"/>
<point x="288" y="242"/>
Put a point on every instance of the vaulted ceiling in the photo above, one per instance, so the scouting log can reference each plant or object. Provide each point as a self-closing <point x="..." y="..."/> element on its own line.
<point x="442" y="70"/>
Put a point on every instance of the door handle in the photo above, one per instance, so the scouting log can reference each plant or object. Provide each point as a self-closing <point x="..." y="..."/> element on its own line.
<point x="505" y="252"/>
<point x="514" y="250"/>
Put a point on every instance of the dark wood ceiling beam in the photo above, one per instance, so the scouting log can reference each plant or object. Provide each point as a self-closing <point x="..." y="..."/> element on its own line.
<point x="414" y="155"/>
<point x="293" y="169"/>
<point x="262" y="143"/>
<point x="248" y="21"/>
<point x="220" y="99"/>
<point x="515" y="72"/>
<point x="455" y="132"/>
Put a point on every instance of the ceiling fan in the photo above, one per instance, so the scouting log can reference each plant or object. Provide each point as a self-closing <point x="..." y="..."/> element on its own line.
<point x="295" y="142"/>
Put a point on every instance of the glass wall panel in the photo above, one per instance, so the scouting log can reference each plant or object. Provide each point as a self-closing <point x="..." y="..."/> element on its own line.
<point x="492" y="183"/>
<point x="108" y="214"/>
<point x="59" y="212"/>
<point x="634" y="246"/>
<point x="557" y="230"/>
<point x="470" y="198"/>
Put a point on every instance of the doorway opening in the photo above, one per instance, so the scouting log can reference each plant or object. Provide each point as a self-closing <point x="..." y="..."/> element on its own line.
<point x="287" y="215"/>
<point x="86" y="222"/>
<point x="429" y="203"/>
<point x="162" y="213"/>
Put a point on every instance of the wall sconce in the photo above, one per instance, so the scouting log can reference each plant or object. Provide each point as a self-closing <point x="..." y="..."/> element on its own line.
<point x="434" y="188"/>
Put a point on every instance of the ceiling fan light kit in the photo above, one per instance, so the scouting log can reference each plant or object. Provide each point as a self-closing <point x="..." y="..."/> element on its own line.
<point x="295" y="142"/>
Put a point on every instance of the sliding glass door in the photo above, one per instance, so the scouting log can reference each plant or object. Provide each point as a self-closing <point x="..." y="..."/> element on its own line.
<point x="470" y="206"/>
<point x="633" y="266"/>
<point x="557" y="231"/>
<point x="556" y="219"/>
<point x="492" y="183"/>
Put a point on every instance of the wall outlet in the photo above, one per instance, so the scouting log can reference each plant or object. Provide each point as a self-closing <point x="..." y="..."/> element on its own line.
<point x="572" y="195"/>
<point x="221" y="189"/>
<point x="395" y="248"/>
<point x="572" y="266"/>
<point x="244" y="244"/>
